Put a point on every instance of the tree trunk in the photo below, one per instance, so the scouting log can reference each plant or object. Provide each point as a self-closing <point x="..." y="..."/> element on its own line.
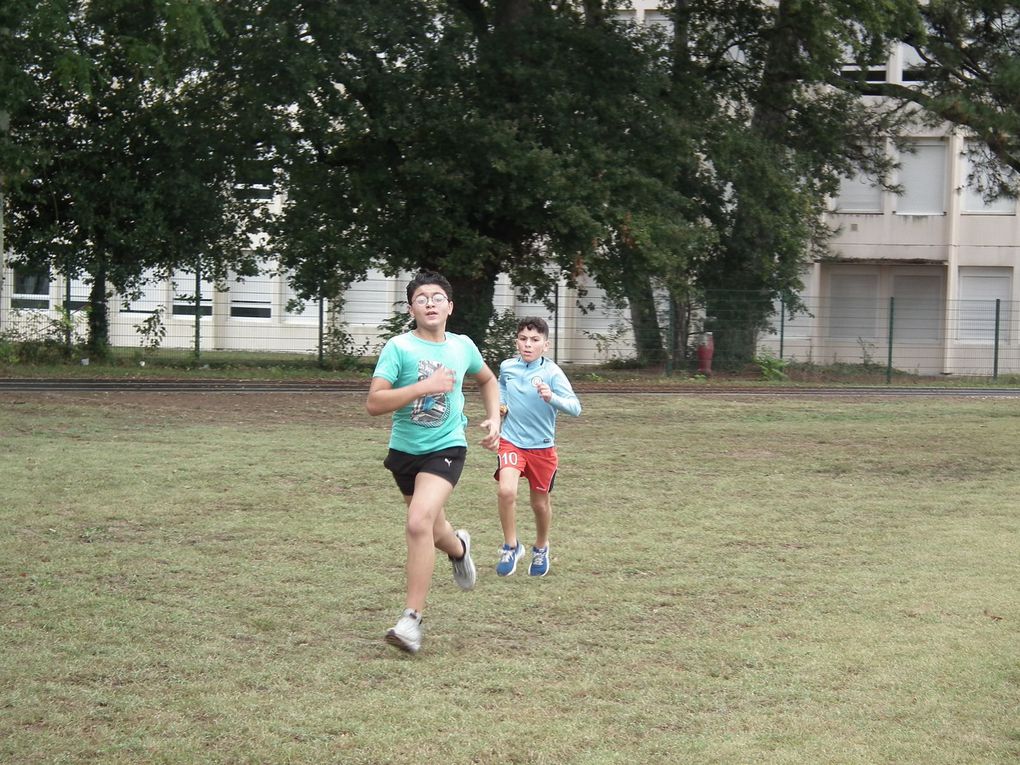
<point x="472" y="306"/>
<point x="734" y="319"/>
<point x="507" y="13"/>
<point x="738" y="299"/>
<point x="99" y="321"/>
<point x="679" y="331"/>
<point x="472" y="297"/>
<point x="644" y="319"/>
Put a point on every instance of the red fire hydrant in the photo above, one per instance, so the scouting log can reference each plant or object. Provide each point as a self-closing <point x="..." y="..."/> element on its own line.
<point x="705" y="350"/>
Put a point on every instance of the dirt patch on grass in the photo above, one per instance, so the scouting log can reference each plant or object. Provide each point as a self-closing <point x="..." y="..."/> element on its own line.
<point x="222" y="406"/>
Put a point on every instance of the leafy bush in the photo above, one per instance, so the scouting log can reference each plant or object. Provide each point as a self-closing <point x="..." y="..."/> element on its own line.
<point x="152" y="330"/>
<point x="500" y="338"/>
<point x="339" y="349"/>
<point x="771" y="367"/>
<point x="608" y="344"/>
<point x="622" y="363"/>
<point x="8" y="352"/>
<point x="399" y="323"/>
<point x="35" y="337"/>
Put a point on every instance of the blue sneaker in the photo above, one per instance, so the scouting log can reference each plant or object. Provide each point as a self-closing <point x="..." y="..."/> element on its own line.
<point x="508" y="557"/>
<point x="539" y="561"/>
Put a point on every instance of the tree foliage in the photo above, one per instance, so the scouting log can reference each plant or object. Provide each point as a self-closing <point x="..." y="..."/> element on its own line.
<point x="969" y="75"/>
<point x="536" y="139"/>
<point x="473" y="138"/>
<point x="123" y="160"/>
<point x="781" y="137"/>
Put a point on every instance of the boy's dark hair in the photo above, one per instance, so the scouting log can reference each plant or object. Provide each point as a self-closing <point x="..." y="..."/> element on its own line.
<point x="428" y="277"/>
<point x="534" y="323"/>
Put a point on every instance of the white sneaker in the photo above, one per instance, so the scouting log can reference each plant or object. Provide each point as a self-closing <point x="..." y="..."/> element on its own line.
<point x="464" y="569"/>
<point x="406" y="635"/>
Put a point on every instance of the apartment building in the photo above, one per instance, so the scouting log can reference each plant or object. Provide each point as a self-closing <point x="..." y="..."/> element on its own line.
<point x="923" y="278"/>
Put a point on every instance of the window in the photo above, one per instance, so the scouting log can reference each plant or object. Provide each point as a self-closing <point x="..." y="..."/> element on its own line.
<point x="150" y="295"/>
<point x="911" y="64"/>
<point x="31" y="288"/>
<point x="184" y="294"/>
<point x="917" y="312"/>
<point x="661" y="21"/>
<point x="251" y="297"/>
<point x="922" y="176"/>
<point x="973" y="199"/>
<point x="860" y="194"/>
<point x="872" y="71"/>
<point x="369" y="302"/>
<point x="256" y="182"/>
<point x="853" y="305"/>
<point x="979" y="288"/>
<point x="80" y="291"/>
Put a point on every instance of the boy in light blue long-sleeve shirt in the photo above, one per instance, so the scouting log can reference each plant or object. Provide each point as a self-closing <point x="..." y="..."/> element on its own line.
<point x="532" y="390"/>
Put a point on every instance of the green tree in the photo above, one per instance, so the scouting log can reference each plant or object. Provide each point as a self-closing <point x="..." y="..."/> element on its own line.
<point x="17" y="88"/>
<point x="969" y="75"/>
<point x="743" y="137"/>
<point x="654" y="230"/>
<point x="475" y="137"/>
<point x="470" y="137"/>
<point x="131" y="161"/>
<point x="778" y="134"/>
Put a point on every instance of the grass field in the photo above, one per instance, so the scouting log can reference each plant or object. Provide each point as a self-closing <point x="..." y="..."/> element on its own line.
<point x="206" y="578"/>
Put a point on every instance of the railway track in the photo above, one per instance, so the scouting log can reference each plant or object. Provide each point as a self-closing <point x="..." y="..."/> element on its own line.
<point x="588" y="388"/>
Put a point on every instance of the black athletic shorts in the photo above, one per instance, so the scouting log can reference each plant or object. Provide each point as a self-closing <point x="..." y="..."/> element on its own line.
<point x="446" y="463"/>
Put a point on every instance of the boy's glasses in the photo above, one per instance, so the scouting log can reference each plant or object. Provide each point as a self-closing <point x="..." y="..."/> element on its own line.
<point x="423" y="300"/>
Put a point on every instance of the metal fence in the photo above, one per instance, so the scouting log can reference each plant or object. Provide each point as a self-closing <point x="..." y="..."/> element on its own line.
<point x="977" y="338"/>
<point x="189" y="320"/>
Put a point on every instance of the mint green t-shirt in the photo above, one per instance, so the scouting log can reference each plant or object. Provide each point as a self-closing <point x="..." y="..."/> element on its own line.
<point x="435" y="422"/>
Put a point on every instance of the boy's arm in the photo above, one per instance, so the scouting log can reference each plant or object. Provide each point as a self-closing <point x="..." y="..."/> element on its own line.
<point x="563" y="396"/>
<point x="488" y="386"/>
<point x="383" y="397"/>
<point x="503" y="403"/>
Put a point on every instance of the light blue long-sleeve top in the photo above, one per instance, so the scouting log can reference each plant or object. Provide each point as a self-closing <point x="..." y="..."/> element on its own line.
<point x="530" y="422"/>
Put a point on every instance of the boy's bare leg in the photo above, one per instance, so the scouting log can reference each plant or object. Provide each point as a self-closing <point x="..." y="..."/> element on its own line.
<point x="424" y="510"/>
<point x="542" y="505"/>
<point x="509" y="478"/>
<point x="444" y="538"/>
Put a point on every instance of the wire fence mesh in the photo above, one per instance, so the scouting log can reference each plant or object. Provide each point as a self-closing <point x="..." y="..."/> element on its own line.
<point x="188" y="319"/>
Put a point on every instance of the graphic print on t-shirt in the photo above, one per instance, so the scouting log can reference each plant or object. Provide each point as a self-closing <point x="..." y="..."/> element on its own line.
<point x="429" y="411"/>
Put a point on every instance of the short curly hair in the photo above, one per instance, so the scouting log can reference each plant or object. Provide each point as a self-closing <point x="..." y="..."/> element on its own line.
<point x="536" y="324"/>
<point x="428" y="277"/>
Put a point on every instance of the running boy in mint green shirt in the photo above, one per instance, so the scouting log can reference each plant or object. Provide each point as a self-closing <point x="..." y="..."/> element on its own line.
<point x="419" y="378"/>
